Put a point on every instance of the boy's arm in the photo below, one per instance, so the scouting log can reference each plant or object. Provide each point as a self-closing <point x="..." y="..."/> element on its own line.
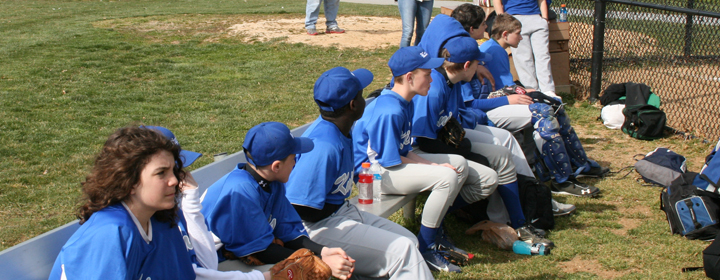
<point x="483" y="72"/>
<point x="543" y="9"/>
<point x="499" y="8"/>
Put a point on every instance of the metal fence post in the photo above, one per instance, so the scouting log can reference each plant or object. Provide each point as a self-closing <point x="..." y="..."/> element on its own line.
<point x="598" y="49"/>
<point x="688" y="29"/>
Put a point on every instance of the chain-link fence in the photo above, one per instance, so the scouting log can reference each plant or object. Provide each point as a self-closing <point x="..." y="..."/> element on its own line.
<point x="657" y="43"/>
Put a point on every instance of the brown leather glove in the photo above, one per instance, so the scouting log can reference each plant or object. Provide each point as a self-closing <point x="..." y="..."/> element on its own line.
<point x="301" y="265"/>
<point x="452" y="133"/>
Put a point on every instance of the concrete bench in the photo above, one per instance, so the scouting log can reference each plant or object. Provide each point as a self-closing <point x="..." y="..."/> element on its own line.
<point x="33" y="259"/>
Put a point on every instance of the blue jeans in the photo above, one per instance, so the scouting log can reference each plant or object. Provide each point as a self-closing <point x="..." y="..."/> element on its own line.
<point x="312" y="11"/>
<point x="410" y="12"/>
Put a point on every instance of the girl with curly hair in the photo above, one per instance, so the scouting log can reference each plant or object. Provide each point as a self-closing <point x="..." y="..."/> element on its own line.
<point x="129" y="214"/>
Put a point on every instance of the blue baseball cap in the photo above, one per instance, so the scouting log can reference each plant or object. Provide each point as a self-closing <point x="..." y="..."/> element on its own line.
<point x="271" y="141"/>
<point x="187" y="157"/>
<point x="408" y="59"/>
<point x="463" y="49"/>
<point x="338" y="86"/>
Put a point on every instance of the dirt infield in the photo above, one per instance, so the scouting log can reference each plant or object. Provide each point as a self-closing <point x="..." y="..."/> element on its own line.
<point x="361" y="32"/>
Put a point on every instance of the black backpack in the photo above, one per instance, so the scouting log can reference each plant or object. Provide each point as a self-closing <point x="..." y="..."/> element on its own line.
<point x="535" y="198"/>
<point x="645" y="122"/>
<point x="691" y="212"/>
<point x="643" y="117"/>
<point x="536" y="201"/>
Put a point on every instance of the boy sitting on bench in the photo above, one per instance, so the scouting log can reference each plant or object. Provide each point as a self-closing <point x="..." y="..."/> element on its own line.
<point x="247" y="209"/>
<point x="323" y="178"/>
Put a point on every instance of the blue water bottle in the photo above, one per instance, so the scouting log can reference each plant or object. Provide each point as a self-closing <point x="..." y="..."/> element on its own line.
<point x="563" y="16"/>
<point x="522" y="248"/>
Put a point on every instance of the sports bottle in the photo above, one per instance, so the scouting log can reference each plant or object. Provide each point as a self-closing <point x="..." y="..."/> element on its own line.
<point x="365" y="185"/>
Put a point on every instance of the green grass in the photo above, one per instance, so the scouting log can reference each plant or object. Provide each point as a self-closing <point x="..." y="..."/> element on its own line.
<point x="74" y="71"/>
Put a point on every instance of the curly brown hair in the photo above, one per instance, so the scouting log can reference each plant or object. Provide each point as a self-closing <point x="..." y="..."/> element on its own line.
<point x="117" y="170"/>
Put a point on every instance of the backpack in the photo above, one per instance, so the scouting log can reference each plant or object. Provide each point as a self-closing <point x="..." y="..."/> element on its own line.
<point x="643" y="117"/>
<point x="536" y="201"/>
<point x="535" y="198"/>
<point x="691" y="212"/>
<point x="645" y="122"/>
<point x="661" y="167"/>
<point x="709" y="176"/>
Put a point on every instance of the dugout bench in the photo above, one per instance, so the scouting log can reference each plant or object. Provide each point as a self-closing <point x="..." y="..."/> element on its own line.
<point x="34" y="258"/>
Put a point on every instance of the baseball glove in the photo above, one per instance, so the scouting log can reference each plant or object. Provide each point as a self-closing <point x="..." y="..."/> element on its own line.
<point x="301" y="265"/>
<point x="452" y="133"/>
<point x="508" y="90"/>
<point x="249" y="260"/>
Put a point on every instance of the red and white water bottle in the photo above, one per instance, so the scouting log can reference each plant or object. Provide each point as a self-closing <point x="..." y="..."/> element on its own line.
<point x="365" y="185"/>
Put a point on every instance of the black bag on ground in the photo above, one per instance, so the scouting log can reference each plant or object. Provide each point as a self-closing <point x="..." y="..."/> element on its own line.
<point x="691" y="212"/>
<point x="535" y="198"/>
<point x="643" y="117"/>
<point x="536" y="201"/>
<point x="645" y="122"/>
<point x="711" y="259"/>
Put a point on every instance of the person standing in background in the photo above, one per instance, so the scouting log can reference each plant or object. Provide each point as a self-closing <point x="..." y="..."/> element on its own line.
<point x="414" y="14"/>
<point x="312" y="11"/>
<point x="532" y="56"/>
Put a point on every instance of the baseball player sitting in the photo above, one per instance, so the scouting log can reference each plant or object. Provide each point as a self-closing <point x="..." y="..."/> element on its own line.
<point x="323" y="178"/>
<point x="383" y="134"/>
<point x="560" y="149"/>
<point x="444" y="101"/>
<point x="247" y="210"/>
<point x="129" y="217"/>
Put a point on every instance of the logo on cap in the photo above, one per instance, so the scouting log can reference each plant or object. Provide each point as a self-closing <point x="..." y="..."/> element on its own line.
<point x="424" y="54"/>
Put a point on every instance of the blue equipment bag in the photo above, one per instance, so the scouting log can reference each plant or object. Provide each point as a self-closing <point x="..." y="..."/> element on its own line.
<point x="661" y="167"/>
<point x="710" y="174"/>
<point x="691" y="212"/>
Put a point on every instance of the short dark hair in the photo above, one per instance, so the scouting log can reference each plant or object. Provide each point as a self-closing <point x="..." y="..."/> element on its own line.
<point x="469" y="15"/>
<point x="504" y="22"/>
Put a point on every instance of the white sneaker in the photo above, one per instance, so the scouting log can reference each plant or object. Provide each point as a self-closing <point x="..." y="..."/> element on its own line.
<point x="562" y="209"/>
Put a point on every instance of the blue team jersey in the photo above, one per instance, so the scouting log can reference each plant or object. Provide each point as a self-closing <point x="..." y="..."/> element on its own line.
<point x="245" y="217"/>
<point x="521" y="7"/>
<point x="110" y="246"/>
<point x="500" y="66"/>
<point x="383" y="132"/>
<point x="435" y="109"/>
<point x="325" y="174"/>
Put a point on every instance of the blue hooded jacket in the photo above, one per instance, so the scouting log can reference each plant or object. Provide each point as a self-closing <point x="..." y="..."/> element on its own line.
<point x="440" y="30"/>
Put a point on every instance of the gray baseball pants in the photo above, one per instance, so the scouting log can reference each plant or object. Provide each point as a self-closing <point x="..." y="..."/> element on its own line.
<point x="381" y="248"/>
<point x="532" y="56"/>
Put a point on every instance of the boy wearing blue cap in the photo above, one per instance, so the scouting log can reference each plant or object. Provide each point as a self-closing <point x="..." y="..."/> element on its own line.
<point x="443" y="102"/>
<point x="554" y="135"/>
<point x="323" y="178"/>
<point x="203" y="247"/>
<point x="247" y="209"/>
<point x="383" y="134"/>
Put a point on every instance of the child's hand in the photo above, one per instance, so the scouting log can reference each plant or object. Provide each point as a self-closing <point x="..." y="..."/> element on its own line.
<point x="448" y="166"/>
<point x="340" y="263"/>
<point x="519" y="99"/>
<point x="482" y="72"/>
<point x="189" y="182"/>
